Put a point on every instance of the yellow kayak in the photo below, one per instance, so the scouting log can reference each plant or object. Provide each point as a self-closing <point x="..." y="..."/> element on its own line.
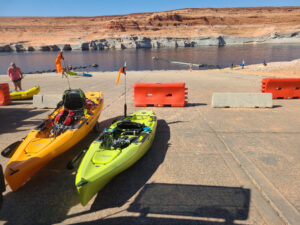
<point x="53" y="137"/>
<point x="21" y="95"/>
<point x="115" y="150"/>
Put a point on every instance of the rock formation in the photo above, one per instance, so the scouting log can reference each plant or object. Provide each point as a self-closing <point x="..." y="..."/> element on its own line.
<point x="177" y="28"/>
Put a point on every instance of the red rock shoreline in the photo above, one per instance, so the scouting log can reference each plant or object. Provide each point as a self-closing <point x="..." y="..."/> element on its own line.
<point x="181" y="23"/>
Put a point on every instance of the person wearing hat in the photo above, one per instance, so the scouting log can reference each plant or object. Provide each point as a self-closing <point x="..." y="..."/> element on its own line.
<point x="16" y="75"/>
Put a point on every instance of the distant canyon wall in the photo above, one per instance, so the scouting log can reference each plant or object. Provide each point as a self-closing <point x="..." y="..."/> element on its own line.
<point x="136" y="42"/>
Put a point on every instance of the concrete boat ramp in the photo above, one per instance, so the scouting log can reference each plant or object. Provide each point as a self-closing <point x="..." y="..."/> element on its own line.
<point x="207" y="165"/>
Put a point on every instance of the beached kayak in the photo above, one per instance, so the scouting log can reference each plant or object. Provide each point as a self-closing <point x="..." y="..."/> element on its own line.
<point x="116" y="149"/>
<point x="82" y="74"/>
<point x="65" y="127"/>
<point x="22" y="95"/>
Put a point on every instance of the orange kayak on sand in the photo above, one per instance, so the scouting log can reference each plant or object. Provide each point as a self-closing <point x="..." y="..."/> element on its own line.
<point x="54" y="136"/>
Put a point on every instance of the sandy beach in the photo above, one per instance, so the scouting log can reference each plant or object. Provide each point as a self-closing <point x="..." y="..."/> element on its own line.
<point x="272" y="69"/>
<point x="242" y="161"/>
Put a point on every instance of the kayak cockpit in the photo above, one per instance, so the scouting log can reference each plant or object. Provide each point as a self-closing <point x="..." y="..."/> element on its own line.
<point x="71" y="113"/>
<point x="122" y="135"/>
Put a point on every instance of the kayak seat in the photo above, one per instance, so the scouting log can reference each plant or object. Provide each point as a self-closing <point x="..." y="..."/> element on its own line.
<point x="74" y="99"/>
<point x="104" y="157"/>
<point x="129" y="127"/>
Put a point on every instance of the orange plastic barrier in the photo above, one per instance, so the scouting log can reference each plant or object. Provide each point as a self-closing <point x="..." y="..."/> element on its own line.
<point x="160" y="94"/>
<point x="4" y="94"/>
<point x="281" y="88"/>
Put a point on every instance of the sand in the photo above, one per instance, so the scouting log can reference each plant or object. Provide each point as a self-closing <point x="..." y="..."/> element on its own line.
<point x="272" y="69"/>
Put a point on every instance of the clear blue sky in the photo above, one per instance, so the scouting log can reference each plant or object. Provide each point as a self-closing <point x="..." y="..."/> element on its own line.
<point x="116" y="7"/>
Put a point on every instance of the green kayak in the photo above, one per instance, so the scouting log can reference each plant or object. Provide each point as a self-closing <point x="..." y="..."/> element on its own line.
<point x="116" y="149"/>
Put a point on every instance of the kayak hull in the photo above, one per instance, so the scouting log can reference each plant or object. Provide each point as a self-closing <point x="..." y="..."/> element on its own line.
<point x="22" y="95"/>
<point x="80" y="74"/>
<point x="92" y="176"/>
<point x="38" y="149"/>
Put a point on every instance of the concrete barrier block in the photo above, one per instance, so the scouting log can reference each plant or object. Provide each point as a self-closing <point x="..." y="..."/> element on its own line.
<point x="46" y="101"/>
<point x="242" y="100"/>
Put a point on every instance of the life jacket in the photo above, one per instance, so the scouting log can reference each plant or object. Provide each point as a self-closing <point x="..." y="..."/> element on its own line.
<point x="70" y="118"/>
<point x="61" y="115"/>
<point x="74" y="103"/>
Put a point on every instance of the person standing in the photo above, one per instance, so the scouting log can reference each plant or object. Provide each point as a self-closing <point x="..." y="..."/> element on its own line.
<point x="16" y="75"/>
<point x="58" y="66"/>
<point x="264" y="63"/>
<point x="243" y="64"/>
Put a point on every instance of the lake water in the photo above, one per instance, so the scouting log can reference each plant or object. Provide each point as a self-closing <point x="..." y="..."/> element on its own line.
<point x="141" y="59"/>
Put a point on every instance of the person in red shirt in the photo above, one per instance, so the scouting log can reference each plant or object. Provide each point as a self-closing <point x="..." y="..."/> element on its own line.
<point x="16" y="75"/>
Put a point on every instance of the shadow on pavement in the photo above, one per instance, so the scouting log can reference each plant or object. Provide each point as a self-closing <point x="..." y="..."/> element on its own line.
<point x="157" y="202"/>
<point x="131" y="220"/>
<point x="177" y="121"/>
<point x="48" y="196"/>
<point x="229" y="203"/>
<point x="195" y="104"/>
<point x="2" y="186"/>
<point x="13" y="118"/>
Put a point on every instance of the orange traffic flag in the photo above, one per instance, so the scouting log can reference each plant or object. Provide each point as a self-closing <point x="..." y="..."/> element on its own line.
<point x="122" y="70"/>
<point x="58" y="63"/>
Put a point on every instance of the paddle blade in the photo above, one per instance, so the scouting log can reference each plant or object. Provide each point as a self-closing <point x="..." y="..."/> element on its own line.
<point x="10" y="150"/>
<point x="73" y="161"/>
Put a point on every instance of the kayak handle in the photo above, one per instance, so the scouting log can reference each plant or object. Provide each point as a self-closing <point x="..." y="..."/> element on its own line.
<point x="10" y="150"/>
<point x="13" y="171"/>
<point x="81" y="183"/>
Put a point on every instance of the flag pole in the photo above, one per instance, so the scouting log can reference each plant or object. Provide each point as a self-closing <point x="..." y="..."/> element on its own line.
<point x="125" y="105"/>
<point x="68" y="81"/>
<point x="66" y="75"/>
<point x="123" y="70"/>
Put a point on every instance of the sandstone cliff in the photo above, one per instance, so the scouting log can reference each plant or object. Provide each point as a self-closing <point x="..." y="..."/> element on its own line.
<point x="184" y="27"/>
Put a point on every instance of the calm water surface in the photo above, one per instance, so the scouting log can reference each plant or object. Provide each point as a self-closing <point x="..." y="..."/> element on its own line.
<point x="141" y="59"/>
